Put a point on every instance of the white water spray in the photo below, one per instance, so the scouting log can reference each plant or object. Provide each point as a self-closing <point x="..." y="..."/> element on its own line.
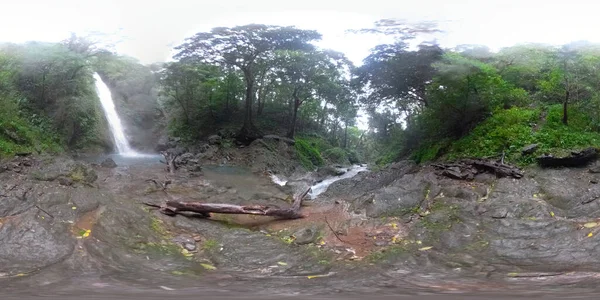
<point x="114" y="122"/>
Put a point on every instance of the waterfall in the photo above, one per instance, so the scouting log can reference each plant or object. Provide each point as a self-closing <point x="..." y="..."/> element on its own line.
<point x="116" y="128"/>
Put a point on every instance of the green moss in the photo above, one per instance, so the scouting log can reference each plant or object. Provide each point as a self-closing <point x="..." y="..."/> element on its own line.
<point x="387" y="254"/>
<point x="210" y="245"/>
<point x="157" y="226"/>
<point x="308" y="154"/>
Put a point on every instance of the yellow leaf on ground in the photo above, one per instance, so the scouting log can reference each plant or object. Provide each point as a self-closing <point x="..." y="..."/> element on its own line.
<point x="187" y="253"/>
<point x="208" y="266"/>
<point x="322" y="242"/>
<point x="394" y="225"/>
<point x="590" y="234"/>
<point x="425" y="248"/>
<point x="315" y="276"/>
<point x="590" y="225"/>
<point x="74" y="207"/>
<point x="552" y="214"/>
<point x="512" y="274"/>
<point x="419" y="242"/>
<point x="86" y="233"/>
<point x="281" y="263"/>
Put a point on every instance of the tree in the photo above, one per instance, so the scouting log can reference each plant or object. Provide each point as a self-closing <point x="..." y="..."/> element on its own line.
<point x="306" y="73"/>
<point x="245" y="48"/>
<point x="397" y="78"/>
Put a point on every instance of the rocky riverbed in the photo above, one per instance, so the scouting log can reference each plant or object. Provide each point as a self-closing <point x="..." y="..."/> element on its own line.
<point x="69" y="226"/>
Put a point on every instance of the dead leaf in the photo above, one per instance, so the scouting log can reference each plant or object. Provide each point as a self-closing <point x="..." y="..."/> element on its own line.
<point x="186" y="253"/>
<point x="590" y="234"/>
<point x="552" y="214"/>
<point x="74" y="207"/>
<point x="281" y="263"/>
<point x="208" y="266"/>
<point x="86" y="233"/>
<point x="590" y="225"/>
<point x="425" y="248"/>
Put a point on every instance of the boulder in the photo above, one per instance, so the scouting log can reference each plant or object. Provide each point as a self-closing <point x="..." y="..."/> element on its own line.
<point x="279" y="138"/>
<point x="306" y="235"/>
<point x="575" y="159"/>
<point x="162" y="145"/>
<point x="108" y="163"/>
<point x="529" y="149"/>
<point x="184" y="158"/>
<point x="214" y="139"/>
<point x="324" y="172"/>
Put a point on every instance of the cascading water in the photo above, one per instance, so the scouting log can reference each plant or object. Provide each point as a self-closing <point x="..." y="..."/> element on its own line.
<point x="116" y="128"/>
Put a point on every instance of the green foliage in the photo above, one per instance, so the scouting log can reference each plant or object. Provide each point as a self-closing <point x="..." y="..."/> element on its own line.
<point x="336" y="155"/>
<point x="308" y="154"/>
<point x="510" y="130"/>
<point x="507" y="130"/>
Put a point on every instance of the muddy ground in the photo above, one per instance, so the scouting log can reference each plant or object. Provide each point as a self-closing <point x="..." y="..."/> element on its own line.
<point x="68" y="227"/>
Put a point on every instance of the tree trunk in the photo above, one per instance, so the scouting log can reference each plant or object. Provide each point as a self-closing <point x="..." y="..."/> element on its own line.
<point x="249" y="132"/>
<point x="297" y="103"/>
<point x="346" y="136"/>
<point x="565" y="119"/>
<point x="249" y="99"/>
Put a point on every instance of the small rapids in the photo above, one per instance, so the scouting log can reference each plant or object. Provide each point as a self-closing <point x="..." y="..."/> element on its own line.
<point x="322" y="186"/>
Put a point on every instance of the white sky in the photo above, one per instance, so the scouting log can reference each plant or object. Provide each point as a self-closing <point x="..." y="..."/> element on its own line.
<point x="150" y="28"/>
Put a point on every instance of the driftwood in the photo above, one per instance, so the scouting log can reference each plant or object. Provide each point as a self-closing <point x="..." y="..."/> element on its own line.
<point x="173" y="207"/>
<point x="163" y="185"/>
<point x="576" y="159"/>
<point x="170" y="161"/>
<point x="468" y="168"/>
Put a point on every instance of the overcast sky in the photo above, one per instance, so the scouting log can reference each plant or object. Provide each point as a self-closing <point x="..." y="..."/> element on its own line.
<point x="148" y="29"/>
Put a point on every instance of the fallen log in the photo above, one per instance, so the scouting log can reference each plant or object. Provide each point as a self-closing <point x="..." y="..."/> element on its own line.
<point x="173" y="207"/>
<point x="468" y="168"/>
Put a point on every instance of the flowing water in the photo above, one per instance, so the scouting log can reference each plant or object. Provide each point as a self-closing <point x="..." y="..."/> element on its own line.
<point x="116" y="127"/>
<point x="322" y="186"/>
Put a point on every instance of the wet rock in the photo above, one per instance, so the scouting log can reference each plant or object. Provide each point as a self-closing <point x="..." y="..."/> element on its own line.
<point x="529" y="149"/>
<point x="186" y="241"/>
<point x="500" y="213"/>
<point x="194" y="168"/>
<point x="398" y="200"/>
<point x="214" y="139"/>
<point x="595" y="169"/>
<point x="108" y="163"/>
<point x="83" y="173"/>
<point x="162" y="145"/>
<point x="184" y="158"/>
<point x="306" y="235"/>
<point x="32" y="243"/>
<point x="279" y="138"/>
<point x="65" y="181"/>
<point x="329" y="171"/>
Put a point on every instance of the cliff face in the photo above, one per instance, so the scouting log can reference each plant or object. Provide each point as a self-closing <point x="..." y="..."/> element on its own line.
<point x="135" y="93"/>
